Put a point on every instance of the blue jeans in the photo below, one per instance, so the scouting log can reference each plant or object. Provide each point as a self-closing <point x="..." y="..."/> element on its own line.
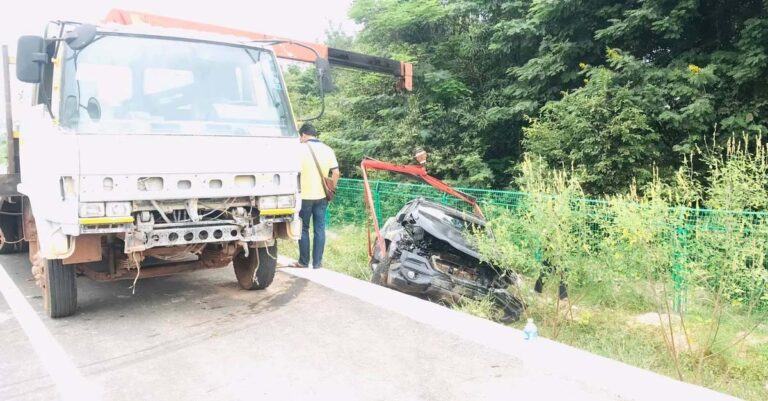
<point x="314" y="209"/>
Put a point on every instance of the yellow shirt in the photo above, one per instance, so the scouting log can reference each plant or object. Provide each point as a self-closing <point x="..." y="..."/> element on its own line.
<point x="311" y="183"/>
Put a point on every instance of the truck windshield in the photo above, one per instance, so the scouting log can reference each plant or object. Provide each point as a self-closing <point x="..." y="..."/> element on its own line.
<point x="138" y="85"/>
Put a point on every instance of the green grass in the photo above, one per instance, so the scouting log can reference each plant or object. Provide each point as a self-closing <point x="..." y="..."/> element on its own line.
<point x="346" y="251"/>
<point x="484" y="308"/>
<point x="603" y="323"/>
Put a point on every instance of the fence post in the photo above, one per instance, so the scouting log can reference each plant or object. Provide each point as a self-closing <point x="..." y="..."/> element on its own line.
<point x="377" y="200"/>
<point x="679" y="257"/>
<point x="444" y="199"/>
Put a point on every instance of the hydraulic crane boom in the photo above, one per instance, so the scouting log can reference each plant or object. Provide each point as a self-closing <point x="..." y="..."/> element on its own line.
<point x="288" y="49"/>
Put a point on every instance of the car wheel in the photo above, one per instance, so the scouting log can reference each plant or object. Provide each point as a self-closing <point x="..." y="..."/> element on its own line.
<point x="511" y="306"/>
<point x="256" y="271"/>
<point x="60" y="291"/>
<point x="380" y="269"/>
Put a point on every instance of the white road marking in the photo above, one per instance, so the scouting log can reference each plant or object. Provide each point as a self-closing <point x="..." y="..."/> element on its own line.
<point x="71" y="384"/>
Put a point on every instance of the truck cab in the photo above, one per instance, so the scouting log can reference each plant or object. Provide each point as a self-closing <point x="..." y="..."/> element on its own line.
<point x="150" y="151"/>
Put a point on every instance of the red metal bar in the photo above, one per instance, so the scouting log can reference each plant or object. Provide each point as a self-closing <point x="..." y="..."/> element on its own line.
<point x="414" y="171"/>
<point x="372" y="209"/>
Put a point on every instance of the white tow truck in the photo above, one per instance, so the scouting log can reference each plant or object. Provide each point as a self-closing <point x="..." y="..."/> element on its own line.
<point x="150" y="150"/>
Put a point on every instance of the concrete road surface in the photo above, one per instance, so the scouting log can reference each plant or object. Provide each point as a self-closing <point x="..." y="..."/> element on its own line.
<point x="197" y="336"/>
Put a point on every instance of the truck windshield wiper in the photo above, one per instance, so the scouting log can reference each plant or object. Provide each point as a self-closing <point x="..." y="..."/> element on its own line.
<point x="271" y="95"/>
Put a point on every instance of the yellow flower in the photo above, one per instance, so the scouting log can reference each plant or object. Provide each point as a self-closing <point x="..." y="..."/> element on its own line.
<point x="583" y="66"/>
<point x="584" y="317"/>
<point x="694" y="68"/>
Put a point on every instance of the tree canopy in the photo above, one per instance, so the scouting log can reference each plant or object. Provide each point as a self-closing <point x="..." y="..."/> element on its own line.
<point x="613" y="87"/>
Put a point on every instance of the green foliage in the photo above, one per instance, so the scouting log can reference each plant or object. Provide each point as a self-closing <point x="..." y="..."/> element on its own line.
<point x="485" y="308"/>
<point x="700" y="270"/>
<point x="600" y="128"/>
<point x="610" y="87"/>
<point x="739" y="180"/>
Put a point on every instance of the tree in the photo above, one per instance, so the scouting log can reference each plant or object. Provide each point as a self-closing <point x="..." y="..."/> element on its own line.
<point x="603" y="129"/>
<point x="486" y="70"/>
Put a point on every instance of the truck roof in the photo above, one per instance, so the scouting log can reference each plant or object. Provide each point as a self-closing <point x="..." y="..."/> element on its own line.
<point x="177" y="33"/>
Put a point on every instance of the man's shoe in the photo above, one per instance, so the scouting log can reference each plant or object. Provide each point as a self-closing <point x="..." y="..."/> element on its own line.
<point x="297" y="265"/>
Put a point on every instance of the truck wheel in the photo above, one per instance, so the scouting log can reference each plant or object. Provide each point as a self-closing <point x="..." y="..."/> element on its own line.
<point x="60" y="292"/>
<point x="257" y="271"/>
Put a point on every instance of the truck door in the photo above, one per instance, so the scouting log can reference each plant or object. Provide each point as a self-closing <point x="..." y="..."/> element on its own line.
<point x="11" y="232"/>
<point x="9" y="162"/>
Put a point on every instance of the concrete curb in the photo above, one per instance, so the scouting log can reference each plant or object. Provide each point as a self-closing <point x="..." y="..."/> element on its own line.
<point x="624" y="381"/>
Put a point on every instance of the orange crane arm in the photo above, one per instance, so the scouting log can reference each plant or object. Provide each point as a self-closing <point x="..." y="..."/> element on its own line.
<point x="289" y="49"/>
<point x="417" y="171"/>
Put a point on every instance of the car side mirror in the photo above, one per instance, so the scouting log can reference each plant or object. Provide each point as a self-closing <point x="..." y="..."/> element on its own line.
<point x="324" y="74"/>
<point x="30" y="59"/>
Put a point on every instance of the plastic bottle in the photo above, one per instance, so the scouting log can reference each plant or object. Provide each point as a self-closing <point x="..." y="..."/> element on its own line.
<point x="530" y="331"/>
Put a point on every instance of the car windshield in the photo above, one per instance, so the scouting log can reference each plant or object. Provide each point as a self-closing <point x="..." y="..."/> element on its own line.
<point x="137" y="85"/>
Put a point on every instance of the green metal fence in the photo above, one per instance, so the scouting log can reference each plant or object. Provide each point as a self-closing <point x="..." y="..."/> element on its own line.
<point x="689" y="231"/>
<point x="349" y="206"/>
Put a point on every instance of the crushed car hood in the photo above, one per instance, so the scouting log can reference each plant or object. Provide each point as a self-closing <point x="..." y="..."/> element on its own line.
<point x="447" y="224"/>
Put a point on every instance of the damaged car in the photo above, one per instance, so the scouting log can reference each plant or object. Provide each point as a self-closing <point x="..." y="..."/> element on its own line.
<point x="430" y="252"/>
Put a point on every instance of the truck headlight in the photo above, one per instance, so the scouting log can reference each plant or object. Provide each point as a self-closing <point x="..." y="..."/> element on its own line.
<point x="118" y="209"/>
<point x="91" y="209"/>
<point x="268" y="202"/>
<point x="286" y="201"/>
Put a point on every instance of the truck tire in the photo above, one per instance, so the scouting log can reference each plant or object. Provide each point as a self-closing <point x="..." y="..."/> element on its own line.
<point x="257" y="271"/>
<point x="60" y="292"/>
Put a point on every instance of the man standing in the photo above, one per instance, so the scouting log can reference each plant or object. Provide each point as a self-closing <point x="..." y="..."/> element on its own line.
<point x="319" y="161"/>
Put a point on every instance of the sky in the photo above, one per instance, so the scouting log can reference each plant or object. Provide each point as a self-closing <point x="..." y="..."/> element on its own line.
<point x="304" y="20"/>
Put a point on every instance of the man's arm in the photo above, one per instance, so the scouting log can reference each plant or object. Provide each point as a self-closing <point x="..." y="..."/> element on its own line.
<point x="335" y="175"/>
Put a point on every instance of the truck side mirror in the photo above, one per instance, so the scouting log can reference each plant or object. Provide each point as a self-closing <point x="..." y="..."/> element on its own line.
<point x="30" y="59"/>
<point x="324" y="74"/>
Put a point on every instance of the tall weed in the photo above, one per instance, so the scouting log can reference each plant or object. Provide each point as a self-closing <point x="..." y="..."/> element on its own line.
<point x="702" y="272"/>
